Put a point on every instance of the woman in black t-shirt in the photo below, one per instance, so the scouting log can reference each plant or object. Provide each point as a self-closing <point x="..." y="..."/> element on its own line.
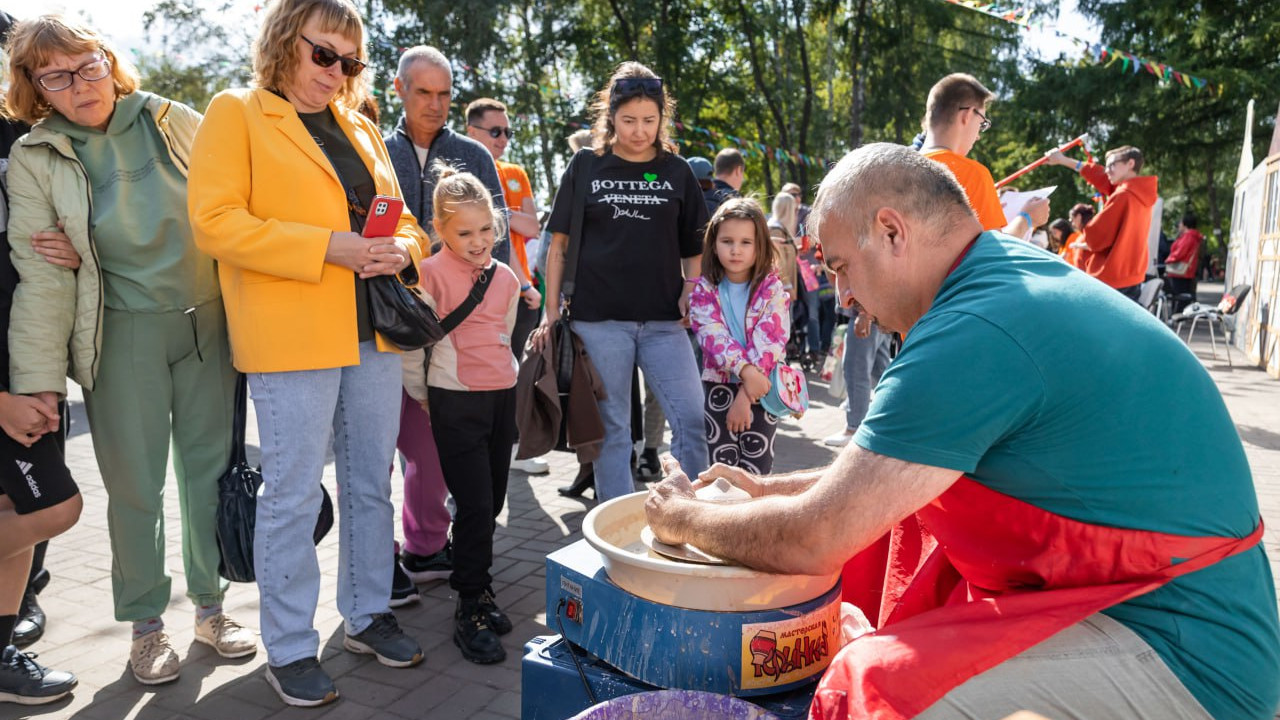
<point x="640" y="245"/>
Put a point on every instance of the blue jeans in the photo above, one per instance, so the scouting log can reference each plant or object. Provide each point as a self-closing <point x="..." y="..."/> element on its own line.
<point x="662" y="351"/>
<point x="864" y="362"/>
<point x="298" y="412"/>
<point x="821" y="322"/>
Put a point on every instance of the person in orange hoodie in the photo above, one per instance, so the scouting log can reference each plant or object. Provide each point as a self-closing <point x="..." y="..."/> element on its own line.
<point x="955" y="115"/>
<point x="1116" y="237"/>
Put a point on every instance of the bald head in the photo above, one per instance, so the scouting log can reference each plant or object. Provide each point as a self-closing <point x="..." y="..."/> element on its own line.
<point x="884" y="174"/>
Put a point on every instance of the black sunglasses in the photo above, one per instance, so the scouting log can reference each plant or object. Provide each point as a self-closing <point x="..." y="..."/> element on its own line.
<point x="627" y="88"/>
<point x="496" y="131"/>
<point x="324" y="57"/>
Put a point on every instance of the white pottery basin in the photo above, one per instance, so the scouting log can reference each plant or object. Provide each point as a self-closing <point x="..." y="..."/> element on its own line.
<point x="613" y="529"/>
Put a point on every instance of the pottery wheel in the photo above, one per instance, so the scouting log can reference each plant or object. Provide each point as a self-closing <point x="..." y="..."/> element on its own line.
<point x="684" y="553"/>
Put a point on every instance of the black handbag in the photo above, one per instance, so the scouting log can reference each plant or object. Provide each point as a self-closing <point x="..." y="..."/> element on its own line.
<point x="238" y="502"/>
<point x="399" y="314"/>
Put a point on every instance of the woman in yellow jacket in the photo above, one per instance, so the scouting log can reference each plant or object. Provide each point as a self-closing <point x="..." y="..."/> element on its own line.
<point x="281" y="176"/>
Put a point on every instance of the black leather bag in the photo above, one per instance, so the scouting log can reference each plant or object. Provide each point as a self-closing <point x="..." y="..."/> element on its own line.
<point x="399" y="314"/>
<point x="238" y="502"/>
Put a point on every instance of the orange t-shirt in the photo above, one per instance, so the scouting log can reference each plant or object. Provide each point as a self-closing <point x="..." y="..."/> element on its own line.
<point x="978" y="184"/>
<point x="1070" y="254"/>
<point x="515" y="188"/>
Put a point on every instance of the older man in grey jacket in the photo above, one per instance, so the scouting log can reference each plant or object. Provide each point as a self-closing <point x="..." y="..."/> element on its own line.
<point x="424" y="82"/>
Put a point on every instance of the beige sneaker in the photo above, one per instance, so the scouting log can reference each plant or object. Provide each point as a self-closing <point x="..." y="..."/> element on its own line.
<point x="153" y="659"/>
<point x="228" y="637"/>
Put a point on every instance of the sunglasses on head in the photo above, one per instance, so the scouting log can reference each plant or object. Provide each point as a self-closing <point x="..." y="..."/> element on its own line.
<point x="627" y="88"/>
<point x="496" y="131"/>
<point x="324" y="57"/>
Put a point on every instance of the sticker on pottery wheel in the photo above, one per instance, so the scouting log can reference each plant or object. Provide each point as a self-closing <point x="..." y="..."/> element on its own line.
<point x="787" y="651"/>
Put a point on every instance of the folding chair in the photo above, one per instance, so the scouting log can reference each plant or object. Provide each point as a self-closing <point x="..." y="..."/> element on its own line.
<point x="1217" y="316"/>
<point x="1149" y="295"/>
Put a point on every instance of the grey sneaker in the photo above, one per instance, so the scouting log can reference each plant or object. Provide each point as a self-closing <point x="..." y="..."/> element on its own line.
<point x="302" y="683"/>
<point x="26" y="682"/>
<point x="385" y="640"/>
<point x="424" y="568"/>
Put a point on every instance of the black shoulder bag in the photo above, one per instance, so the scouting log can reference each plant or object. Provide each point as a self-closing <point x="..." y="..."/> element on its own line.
<point x="238" y="502"/>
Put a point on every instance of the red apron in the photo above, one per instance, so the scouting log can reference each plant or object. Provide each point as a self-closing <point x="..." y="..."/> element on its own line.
<point x="976" y="577"/>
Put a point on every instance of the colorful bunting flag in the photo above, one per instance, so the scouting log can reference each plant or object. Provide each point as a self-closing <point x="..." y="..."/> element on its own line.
<point x="1128" y="61"/>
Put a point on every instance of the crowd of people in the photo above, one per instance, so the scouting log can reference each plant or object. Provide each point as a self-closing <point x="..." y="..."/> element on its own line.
<point x="158" y="253"/>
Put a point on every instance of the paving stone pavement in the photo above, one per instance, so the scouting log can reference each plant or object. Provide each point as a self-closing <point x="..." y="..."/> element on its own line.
<point x="84" y="638"/>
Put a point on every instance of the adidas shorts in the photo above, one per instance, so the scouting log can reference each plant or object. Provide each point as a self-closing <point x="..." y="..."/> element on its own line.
<point x="35" y="477"/>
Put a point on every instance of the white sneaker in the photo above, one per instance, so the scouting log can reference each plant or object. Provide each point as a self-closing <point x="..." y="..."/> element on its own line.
<point x="228" y="637"/>
<point x="840" y="439"/>
<point x="153" y="659"/>
<point x="532" y="466"/>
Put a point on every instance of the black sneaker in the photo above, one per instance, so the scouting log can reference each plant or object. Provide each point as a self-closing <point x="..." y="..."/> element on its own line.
<point x="27" y="682"/>
<point x="473" y="635"/>
<point x="385" y="640"/>
<point x="498" y="620"/>
<point x="425" y="568"/>
<point x="403" y="591"/>
<point x="302" y="683"/>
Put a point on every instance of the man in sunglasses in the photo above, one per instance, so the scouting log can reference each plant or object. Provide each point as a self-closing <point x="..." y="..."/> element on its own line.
<point x="955" y="116"/>
<point x="489" y="125"/>
<point x="424" y="83"/>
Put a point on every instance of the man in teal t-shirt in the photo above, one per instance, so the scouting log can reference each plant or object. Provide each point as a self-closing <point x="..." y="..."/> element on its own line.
<point x="1038" y="383"/>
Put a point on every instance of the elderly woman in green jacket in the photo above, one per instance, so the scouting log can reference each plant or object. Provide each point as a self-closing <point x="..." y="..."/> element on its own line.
<point x="140" y="326"/>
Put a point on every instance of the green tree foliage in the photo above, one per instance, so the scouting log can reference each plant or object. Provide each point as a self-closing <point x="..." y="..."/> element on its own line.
<point x="815" y="77"/>
<point x="200" y="51"/>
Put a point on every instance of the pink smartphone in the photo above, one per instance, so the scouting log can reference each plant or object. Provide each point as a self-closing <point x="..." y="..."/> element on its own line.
<point x="384" y="216"/>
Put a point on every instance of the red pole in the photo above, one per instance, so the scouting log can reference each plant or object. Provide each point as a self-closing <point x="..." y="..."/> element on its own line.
<point x="1078" y="142"/>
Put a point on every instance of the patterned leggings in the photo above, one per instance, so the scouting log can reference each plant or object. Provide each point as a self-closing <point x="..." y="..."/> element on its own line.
<point x="752" y="449"/>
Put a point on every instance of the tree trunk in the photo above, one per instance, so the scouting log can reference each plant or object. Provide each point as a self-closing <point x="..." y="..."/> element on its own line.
<point x="858" y="69"/>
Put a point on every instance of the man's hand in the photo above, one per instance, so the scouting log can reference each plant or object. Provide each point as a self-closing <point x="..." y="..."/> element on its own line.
<point x="532" y="298"/>
<point x="26" y="418"/>
<point x="739" y="416"/>
<point x="736" y="476"/>
<point x="1057" y="157"/>
<point x="662" y="507"/>
<point x="1038" y="209"/>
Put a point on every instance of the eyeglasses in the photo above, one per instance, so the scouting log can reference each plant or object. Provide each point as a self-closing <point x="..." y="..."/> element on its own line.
<point x="986" y="121"/>
<point x="497" y="131"/>
<point x="324" y="57"/>
<point x="627" y="88"/>
<point x="92" y="71"/>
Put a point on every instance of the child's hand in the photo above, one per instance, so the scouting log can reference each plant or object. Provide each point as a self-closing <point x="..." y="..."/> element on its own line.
<point x="739" y="419"/>
<point x="26" y="418"/>
<point x="754" y="382"/>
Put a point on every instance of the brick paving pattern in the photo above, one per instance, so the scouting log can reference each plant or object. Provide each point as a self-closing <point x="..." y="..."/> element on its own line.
<point x="84" y="638"/>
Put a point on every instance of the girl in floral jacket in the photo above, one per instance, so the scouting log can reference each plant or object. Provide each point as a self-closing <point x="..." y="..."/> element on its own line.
<point x="739" y="310"/>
